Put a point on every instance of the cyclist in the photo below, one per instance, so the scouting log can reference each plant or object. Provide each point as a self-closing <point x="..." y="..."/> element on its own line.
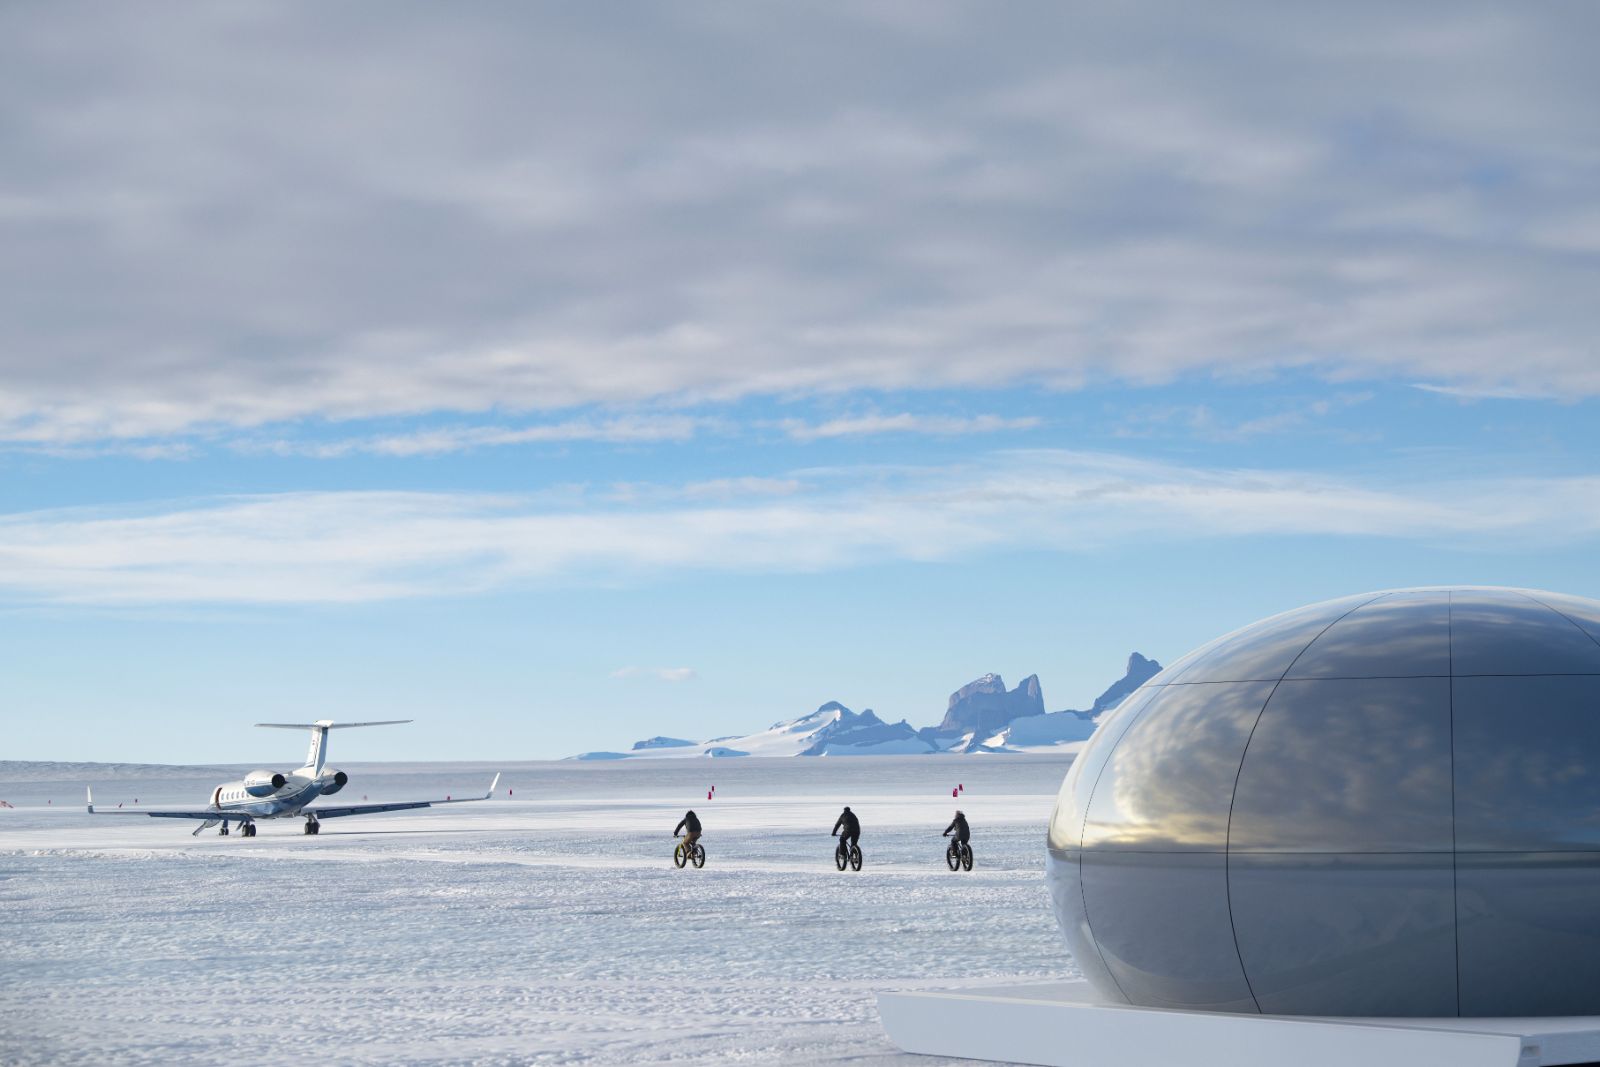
<point x="691" y="823"/>
<point x="958" y="826"/>
<point x="851" y="827"/>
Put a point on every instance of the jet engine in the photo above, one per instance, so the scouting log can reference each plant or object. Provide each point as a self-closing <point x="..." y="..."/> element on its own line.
<point x="263" y="783"/>
<point x="332" y="781"/>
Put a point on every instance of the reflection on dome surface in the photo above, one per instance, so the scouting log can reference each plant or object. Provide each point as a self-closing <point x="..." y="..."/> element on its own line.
<point x="1387" y="804"/>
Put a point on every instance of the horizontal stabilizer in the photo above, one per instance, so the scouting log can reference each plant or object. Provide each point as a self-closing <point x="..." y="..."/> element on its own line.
<point x="329" y="725"/>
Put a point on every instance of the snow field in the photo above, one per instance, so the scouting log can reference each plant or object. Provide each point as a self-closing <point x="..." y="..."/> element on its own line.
<point x="541" y="931"/>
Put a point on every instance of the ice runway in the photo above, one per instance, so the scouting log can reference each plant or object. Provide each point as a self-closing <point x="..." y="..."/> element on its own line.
<point x="549" y="927"/>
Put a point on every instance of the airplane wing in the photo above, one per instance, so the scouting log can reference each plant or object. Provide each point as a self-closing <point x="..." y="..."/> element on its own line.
<point x="402" y="805"/>
<point x="208" y="814"/>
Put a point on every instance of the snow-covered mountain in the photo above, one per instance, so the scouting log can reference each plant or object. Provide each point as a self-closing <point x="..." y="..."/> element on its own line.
<point x="982" y="716"/>
<point x="831" y="730"/>
<point x="1059" y="729"/>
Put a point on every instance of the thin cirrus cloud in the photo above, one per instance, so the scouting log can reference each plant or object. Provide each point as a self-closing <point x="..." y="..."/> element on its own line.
<point x="352" y="547"/>
<point x="905" y="422"/>
<point x="221" y="224"/>
<point x="446" y="440"/>
<point x="660" y="674"/>
<point x="629" y="429"/>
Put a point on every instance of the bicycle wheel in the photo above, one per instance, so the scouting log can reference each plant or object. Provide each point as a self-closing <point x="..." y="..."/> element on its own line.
<point x="951" y="858"/>
<point x="840" y="857"/>
<point x="966" y="857"/>
<point x="700" y="856"/>
<point x="679" y="857"/>
<point x="855" y="858"/>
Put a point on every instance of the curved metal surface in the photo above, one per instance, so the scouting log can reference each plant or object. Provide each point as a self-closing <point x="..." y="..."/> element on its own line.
<point x="1072" y="804"/>
<point x="1168" y="783"/>
<point x="1160" y="921"/>
<point x="1347" y="765"/>
<point x="1263" y="651"/>
<point x="1063" y="878"/>
<point x="1527" y="763"/>
<point x="1386" y="804"/>
<point x="1347" y="934"/>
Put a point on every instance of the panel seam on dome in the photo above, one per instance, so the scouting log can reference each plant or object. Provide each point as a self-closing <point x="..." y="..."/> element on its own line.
<point x="1455" y="859"/>
<point x="1227" y="838"/>
<point x="1564" y="615"/>
<point x="1586" y="851"/>
<point x="1088" y="803"/>
<point x="1083" y="828"/>
<point x="1083" y="894"/>
<point x="1319" y="678"/>
<point x="1178" y="679"/>
<point x="1330" y="852"/>
<point x="1527" y="674"/>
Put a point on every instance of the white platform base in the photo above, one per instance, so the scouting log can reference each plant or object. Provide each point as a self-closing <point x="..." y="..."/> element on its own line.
<point x="1061" y="1025"/>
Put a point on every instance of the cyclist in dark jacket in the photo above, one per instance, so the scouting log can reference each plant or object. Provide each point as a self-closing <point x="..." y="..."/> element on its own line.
<point x="959" y="827"/>
<point x="851" y="827"/>
<point x="691" y="823"/>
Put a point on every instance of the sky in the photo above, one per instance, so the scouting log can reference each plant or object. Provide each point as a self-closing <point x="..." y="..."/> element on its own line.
<point x="559" y="375"/>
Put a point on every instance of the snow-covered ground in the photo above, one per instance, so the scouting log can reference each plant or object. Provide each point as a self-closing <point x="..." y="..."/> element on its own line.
<point x="544" y="927"/>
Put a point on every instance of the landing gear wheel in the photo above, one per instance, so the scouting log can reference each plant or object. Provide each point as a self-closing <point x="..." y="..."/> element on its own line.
<point x="699" y="856"/>
<point x="855" y="858"/>
<point x="312" y="826"/>
<point x="249" y="829"/>
<point x="224" y="831"/>
<point x="679" y="855"/>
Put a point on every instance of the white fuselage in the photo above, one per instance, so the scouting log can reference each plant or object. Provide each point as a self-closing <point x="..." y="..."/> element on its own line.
<point x="300" y="788"/>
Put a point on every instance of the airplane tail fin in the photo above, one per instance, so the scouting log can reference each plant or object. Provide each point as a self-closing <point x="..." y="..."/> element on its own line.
<point x="317" y="757"/>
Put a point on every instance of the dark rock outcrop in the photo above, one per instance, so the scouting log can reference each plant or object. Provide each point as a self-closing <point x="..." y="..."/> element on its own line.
<point x="1140" y="671"/>
<point x="984" y="707"/>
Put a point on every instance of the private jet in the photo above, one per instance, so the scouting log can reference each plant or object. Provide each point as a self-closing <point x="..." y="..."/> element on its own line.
<point x="269" y="795"/>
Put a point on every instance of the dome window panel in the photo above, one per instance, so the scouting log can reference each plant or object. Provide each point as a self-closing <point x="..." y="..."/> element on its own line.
<point x="1348" y="765"/>
<point x="1168" y="784"/>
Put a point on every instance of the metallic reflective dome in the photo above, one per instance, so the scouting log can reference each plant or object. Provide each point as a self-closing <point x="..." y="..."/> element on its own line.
<point x="1387" y="804"/>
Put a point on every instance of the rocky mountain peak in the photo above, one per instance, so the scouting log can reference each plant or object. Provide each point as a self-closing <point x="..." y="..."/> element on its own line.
<point x="989" y="683"/>
<point x="984" y="706"/>
<point x="1140" y="670"/>
<point x="982" y="715"/>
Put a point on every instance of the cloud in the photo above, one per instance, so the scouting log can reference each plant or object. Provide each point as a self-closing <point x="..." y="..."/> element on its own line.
<point x="630" y="429"/>
<point x="727" y="488"/>
<point x="227" y="223"/>
<point x="662" y="674"/>
<point x="1205" y="422"/>
<point x="351" y="547"/>
<point x="905" y="422"/>
<point x="620" y="430"/>
<point x="1476" y="392"/>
